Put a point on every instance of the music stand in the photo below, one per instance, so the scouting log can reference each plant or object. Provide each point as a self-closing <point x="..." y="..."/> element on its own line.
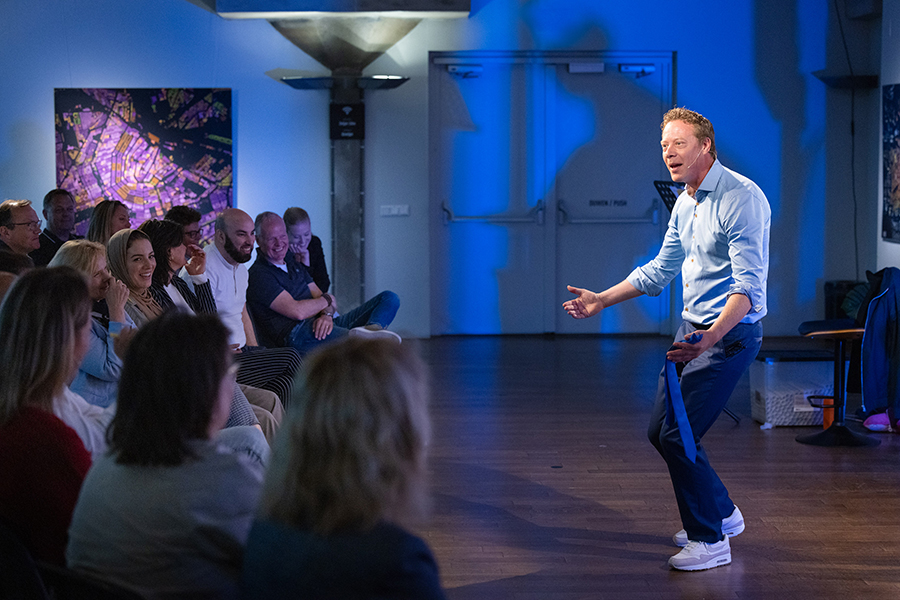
<point x="668" y="191"/>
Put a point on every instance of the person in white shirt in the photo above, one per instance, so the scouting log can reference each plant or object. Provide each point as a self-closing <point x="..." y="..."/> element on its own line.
<point x="267" y="368"/>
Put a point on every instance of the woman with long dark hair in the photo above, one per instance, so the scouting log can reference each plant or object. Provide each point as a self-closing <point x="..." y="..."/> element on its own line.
<point x="169" y="507"/>
<point x="169" y="289"/>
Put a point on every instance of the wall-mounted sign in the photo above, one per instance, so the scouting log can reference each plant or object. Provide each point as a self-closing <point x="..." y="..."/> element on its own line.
<point x="348" y="122"/>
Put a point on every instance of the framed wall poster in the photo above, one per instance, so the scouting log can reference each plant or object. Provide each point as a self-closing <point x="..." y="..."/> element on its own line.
<point x="890" y="220"/>
<point x="148" y="148"/>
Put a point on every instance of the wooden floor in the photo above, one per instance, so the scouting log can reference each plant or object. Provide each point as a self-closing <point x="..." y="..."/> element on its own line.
<point x="545" y="485"/>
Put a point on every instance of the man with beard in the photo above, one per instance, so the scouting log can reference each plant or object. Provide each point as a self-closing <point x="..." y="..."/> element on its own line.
<point x="267" y="368"/>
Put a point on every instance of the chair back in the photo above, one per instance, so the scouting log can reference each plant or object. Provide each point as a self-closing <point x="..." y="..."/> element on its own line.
<point x="75" y="585"/>
<point x="19" y="575"/>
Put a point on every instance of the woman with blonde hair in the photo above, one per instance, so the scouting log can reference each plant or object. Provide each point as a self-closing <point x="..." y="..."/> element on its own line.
<point x="98" y="375"/>
<point x="44" y="327"/>
<point x="347" y="478"/>
<point x="108" y="217"/>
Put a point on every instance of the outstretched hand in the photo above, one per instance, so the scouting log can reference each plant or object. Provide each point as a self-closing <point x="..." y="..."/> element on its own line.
<point x="585" y="304"/>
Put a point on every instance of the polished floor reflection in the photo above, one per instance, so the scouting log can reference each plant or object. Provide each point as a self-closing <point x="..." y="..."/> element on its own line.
<point x="546" y="487"/>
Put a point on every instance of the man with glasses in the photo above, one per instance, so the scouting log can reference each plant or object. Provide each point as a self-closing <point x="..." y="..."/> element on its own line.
<point x="20" y="228"/>
<point x="59" y="211"/>
<point x="189" y="219"/>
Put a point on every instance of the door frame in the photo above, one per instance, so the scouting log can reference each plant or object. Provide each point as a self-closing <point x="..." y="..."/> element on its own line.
<point x="440" y="61"/>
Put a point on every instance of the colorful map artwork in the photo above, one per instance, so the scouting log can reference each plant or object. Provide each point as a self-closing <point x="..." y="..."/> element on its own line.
<point x="890" y="139"/>
<point x="149" y="148"/>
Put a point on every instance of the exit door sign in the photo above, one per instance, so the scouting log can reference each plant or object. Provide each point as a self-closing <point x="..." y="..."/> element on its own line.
<point x="348" y="122"/>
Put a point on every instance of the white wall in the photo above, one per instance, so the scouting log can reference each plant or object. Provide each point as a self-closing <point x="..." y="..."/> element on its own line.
<point x="888" y="252"/>
<point x="281" y="136"/>
<point x="745" y="64"/>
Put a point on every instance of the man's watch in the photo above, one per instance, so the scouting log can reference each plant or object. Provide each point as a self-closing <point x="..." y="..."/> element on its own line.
<point x="329" y="310"/>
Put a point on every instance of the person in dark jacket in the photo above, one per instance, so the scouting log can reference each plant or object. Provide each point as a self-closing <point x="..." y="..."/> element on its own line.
<point x="881" y="352"/>
<point x="59" y="212"/>
<point x="307" y="248"/>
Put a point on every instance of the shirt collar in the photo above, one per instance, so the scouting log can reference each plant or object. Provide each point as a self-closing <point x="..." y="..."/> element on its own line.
<point x="212" y="249"/>
<point x="709" y="182"/>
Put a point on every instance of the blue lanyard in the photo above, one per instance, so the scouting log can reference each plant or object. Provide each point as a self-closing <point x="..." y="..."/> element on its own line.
<point x="675" y="411"/>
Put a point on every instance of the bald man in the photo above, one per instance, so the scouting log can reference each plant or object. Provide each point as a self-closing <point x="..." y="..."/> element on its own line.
<point x="270" y="369"/>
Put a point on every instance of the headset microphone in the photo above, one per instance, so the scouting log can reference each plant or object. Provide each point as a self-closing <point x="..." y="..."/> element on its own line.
<point x="696" y="159"/>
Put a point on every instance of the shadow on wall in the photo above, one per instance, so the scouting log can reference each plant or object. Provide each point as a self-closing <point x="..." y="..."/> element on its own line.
<point x="799" y="217"/>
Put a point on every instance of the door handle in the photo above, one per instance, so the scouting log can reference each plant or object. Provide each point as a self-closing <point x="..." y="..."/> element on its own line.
<point x="536" y="215"/>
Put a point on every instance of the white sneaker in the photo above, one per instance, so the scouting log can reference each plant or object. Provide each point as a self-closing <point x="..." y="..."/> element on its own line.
<point x="374" y="334"/>
<point x="732" y="526"/>
<point x="697" y="556"/>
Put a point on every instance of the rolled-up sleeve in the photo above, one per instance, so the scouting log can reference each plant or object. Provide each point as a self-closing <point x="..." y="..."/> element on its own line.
<point x="746" y="222"/>
<point x="653" y="277"/>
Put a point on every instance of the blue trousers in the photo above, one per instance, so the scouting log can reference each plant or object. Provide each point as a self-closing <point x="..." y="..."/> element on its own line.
<point x="379" y="310"/>
<point x="706" y="384"/>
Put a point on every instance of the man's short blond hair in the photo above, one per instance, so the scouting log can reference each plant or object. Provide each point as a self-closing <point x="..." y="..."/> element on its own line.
<point x="702" y="127"/>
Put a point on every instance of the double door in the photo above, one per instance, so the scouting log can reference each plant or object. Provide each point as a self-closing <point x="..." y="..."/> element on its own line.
<point x="542" y="168"/>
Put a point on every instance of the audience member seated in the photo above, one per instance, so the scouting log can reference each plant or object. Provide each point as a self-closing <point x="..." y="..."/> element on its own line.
<point x="11" y="266"/>
<point x="170" y="252"/>
<point x="98" y="376"/>
<point x="168" y="509"/>
<point x="59" y="212"/>
<point x="345" y="482"/>
<point x="168" y="290"/>
<point x="307" y="248"/>
<point x="189" y="219"/>
<point x="20" y="228"/>
<point x="12" y="262"/>
<point x="289" y="309"/>
<point x="272" y="369"/>
<point x="43" y="327"/>
<point x="108" y="217"/>
<point x="132" y="261"/>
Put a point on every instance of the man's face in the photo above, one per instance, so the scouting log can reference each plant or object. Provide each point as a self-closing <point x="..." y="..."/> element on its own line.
<point x="192" y="234"/>
<point x="682" y="153"/>
<point x="24" y="230"/>
<point x="273" y="240"/>
<point x="60" y="214"/>
<point x="238" y="239"/>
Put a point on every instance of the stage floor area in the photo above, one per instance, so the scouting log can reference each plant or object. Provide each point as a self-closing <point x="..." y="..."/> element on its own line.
<point x="545" y="486"/>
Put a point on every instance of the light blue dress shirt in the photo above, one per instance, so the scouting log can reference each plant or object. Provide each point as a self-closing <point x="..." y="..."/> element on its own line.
<point x="720" y="242"/>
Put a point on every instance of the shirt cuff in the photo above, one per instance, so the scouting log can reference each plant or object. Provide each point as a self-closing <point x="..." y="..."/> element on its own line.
<point x="643" y="284"/>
